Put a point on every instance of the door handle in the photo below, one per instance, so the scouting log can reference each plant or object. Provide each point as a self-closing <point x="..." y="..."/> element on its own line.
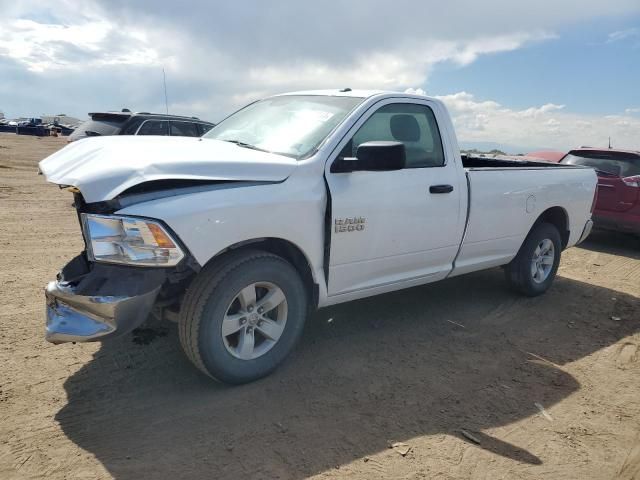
<point x="441" y="189"/>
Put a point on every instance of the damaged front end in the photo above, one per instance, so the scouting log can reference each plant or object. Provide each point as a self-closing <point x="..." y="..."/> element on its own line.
<point x="130" y="267"/>
<point x="93" y="302"/>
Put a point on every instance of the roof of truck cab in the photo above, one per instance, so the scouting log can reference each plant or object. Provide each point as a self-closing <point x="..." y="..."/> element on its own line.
<point x="353" y="93"/>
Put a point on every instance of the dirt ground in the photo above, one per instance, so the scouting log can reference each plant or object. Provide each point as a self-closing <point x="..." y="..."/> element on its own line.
<point x="543" y="388"/>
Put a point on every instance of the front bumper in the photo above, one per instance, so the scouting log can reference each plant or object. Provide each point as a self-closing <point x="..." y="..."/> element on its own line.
<point x="79" y="318"/>
<point x="94" y="302"/>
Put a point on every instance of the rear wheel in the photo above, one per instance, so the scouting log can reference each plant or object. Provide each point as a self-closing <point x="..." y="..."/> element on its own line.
<point x="242" y="316"/>
<point x="534" y="268"/>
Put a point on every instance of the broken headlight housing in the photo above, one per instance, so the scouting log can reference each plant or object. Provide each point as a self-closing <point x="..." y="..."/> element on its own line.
<point x="129" y="240"/>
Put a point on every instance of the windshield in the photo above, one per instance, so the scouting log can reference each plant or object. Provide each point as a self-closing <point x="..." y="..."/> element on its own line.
<point x="292" y="125"/>
<point x="609" y="163"/>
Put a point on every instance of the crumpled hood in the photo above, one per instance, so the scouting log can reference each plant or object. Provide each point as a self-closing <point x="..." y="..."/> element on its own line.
<point x="103" y="167"/>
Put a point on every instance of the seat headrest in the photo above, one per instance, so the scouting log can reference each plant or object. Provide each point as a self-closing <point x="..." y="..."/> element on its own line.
<point x="405" y="128"/>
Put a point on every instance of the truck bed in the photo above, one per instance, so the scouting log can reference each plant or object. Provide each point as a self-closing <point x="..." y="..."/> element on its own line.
<point x="504" y="201"/>
<point x="477" y="162"/>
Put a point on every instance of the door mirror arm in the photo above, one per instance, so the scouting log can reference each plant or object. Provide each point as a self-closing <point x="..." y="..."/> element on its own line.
<point x="344" y="165"/>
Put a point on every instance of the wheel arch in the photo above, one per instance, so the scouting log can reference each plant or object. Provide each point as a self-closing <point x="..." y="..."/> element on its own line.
<point x="558" y="217"/>
<point x="285" y="249"/>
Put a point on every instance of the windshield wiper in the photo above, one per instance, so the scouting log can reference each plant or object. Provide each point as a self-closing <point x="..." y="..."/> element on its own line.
<point x="247" y="145"/>
<point x="91" y="133"/>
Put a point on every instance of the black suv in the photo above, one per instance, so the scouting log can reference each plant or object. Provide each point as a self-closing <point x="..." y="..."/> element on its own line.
<point x="140" y="123"/>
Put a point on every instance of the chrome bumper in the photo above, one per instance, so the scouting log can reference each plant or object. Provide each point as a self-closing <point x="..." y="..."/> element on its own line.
<point x="78" y="318"/>
<point x="98" y="303"/>
<point x="586" y="231"/>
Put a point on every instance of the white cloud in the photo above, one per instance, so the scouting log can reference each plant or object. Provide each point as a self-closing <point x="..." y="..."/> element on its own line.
<point x="534" y="112"/>
<point x="547" y="126"/>
<point x="623" y="35"/>
<point x="219" y="55"/>
<point x="415" y="91"/>
<point x="388" y="68"/>
<point x="88" y="42"/>
<point x="215" y="68"/>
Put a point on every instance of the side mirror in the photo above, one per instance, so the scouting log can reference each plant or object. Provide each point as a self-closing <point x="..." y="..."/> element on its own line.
<point x="373" y="156"/>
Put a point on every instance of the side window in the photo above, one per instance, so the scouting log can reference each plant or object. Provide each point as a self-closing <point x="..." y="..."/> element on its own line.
<point x="205" y="127"/>
<point x="154" y="127"/>
<point x="132" y="127"/>
<point x="184" y="129"/>
<point x="412" y="124"/>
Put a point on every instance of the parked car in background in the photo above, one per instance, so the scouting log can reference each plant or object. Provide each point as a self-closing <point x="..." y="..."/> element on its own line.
<point x="19" y="122"/>
<point x="547" y="155"/>
<point x="618" y="198"/>
<point x="140" y="123"/>
<point x="25" y="126"/>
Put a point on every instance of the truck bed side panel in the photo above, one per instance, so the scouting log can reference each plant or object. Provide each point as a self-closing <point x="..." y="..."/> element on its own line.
<point x="506" y="203"/>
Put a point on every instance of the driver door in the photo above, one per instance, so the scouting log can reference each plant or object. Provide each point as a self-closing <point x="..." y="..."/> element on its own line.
<point x="390" y="228"/>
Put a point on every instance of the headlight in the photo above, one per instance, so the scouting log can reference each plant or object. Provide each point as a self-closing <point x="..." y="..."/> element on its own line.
<point x="129" y="240"/>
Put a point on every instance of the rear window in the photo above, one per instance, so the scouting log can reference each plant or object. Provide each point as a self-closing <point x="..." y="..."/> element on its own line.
<point x="617" y="164"/>
<point x="92" y="128"/>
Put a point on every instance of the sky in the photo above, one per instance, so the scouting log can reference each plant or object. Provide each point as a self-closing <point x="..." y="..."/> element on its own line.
<point x="553" y="75"/>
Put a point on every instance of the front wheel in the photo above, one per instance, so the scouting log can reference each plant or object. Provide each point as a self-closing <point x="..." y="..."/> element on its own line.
<point x="533" y="269"/>
<point x="242" y="316"/>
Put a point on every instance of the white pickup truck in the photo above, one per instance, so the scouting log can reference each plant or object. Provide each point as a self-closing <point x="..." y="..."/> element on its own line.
<point x="293" y="203"/>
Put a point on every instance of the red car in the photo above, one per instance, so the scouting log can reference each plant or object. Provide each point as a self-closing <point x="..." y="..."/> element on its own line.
<point x="547" y="155"/>
<point x="618" y="195"/>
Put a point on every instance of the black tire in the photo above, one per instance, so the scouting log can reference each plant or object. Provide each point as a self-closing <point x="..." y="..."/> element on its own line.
<point x="519" y="272"/>
<point x="206" y="303"/>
